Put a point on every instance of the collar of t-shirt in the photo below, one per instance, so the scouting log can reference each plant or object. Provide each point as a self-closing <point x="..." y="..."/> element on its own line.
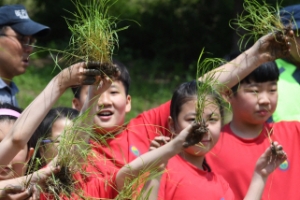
<point x="12" y="86"/>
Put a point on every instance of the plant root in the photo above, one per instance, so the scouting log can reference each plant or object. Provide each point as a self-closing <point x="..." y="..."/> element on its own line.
<point x="106" y="69"/>
<point x="197" y="132"/>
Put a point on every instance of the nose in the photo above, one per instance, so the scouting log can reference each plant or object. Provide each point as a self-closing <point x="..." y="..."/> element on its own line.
<point x="27" y="48"/>
<point x="263" y="98"/>
<point x="104" y="100"/>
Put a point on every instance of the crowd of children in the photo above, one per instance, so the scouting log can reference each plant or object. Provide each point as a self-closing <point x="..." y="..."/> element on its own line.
<point x="147" y="158"/>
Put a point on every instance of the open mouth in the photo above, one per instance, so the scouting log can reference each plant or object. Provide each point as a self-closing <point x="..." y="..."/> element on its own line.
<point x="104" y="113"/>
<point x="25" y="60"/>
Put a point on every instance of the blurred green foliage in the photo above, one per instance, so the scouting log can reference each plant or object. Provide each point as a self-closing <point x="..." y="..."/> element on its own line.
<point x="160" y="48"/>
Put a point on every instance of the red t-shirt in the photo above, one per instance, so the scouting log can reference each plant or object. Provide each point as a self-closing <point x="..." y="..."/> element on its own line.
<point x="109" y="156"/>
<point x="183" y="180"/>
<point x="135" y="139"/>
<point x="235" y="158"/>
<point x="87" y="187"/>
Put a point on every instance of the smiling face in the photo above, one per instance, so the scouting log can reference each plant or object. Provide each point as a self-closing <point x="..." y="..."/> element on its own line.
<point x="14" y="57"/>
<point x="212" y="117"/>
<point x="113" y="105"/>
<point x="17" y="166"/>
<point x="254" y="102"/>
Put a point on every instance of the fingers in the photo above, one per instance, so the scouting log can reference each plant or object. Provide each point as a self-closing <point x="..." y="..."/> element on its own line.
<point x="277" y="149"/>
<point x="89" y="80"/>
<point x="105" y="68"/>
<point x="158" y="142"/>
<point x="91" y="72"/>
<point x="196" y="133"/>
<point x="93" y="65"/>
<point x="13" y="189"/>
<point x="35" y="193"/>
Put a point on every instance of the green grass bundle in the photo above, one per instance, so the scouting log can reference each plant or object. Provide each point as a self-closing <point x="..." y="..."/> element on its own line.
<point x="256" y="20"/>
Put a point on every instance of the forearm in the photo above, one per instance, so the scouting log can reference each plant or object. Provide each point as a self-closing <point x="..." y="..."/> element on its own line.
<point x="256" y="187"/>
<point x="87" y="113"/>
<point x="85" y="123"/>
<point x="27" y="123"/>
<point x="152" y="159"/>
<point x="232" y="72"/>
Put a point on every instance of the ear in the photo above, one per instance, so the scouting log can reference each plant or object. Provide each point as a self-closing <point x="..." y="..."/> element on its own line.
<point x="29" y="154"/>
<point x="171" y="124"/>
<point x="76" y="104"/>
<point x="128" y="104"/>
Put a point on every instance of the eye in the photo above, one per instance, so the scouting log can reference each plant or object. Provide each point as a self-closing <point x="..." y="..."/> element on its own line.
<point x="114" y="92"/>
<point x="273" y="90"/>
<point x="191" y="119"/>
<point x="214" y="118"/>
<point x="254" y="91"/>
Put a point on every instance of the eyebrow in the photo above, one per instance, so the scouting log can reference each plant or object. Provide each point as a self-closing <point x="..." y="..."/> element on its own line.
<point x="258" y="84"/>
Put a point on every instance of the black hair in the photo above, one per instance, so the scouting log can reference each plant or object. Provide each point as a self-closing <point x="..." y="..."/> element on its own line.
<point x="45" y="128"/>
<point x="264" y="73"/>
<point x="124" y="78"/>
<point x="32" y="141"/>
<point x="185" y="92"/>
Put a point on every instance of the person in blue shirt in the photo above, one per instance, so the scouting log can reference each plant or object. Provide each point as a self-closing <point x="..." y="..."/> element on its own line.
<point x="18" y="34"/>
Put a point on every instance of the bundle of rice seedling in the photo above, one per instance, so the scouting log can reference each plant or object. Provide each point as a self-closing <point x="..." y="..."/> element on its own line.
<point x="259" y="19"/>
<point x="94" y="35"/>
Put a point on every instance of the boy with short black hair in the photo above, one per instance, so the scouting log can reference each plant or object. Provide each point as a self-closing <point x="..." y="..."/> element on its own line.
<point x="253" y="101"/>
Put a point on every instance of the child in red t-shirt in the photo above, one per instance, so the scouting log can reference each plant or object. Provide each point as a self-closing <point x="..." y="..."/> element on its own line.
<point x="242" y="141"/>
<point x="187" y="174"/>
<point x="253" y="98"/>
<point x="122" y="143"/>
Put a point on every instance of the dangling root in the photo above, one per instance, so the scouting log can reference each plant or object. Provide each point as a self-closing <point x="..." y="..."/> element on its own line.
<point x="196" y="135"/>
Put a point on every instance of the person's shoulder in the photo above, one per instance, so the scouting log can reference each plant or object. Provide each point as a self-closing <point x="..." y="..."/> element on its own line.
<point x="286" y="126"/>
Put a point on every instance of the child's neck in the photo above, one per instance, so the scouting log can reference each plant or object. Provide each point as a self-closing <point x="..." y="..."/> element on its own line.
<point x="197" y="161"/>
<point x="245" y="130"/>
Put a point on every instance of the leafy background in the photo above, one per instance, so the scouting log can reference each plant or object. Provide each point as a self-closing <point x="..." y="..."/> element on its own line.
<point x="160" y="48"/>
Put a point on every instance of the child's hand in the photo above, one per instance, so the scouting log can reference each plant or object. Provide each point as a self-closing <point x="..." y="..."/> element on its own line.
<point x="101" y="87"/>
<point x="193" y="134"/>
<point x="270" y="160"/>
<point x="15" y="192"/>
<point x="158" y="141"/>
<point x="274" y="45"/>
<point x="86" y="74"/>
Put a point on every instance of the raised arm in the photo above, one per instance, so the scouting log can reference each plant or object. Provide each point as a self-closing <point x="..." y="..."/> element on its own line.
<point x="32" y="116"/>
<point x="267" y="48"/>
<point x="86" y="118"/>
<point x="153" y="159"/>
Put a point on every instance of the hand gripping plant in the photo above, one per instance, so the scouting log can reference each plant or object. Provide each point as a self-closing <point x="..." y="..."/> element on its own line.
<point x="207" y="86"/>
<point x="257" y="20"/>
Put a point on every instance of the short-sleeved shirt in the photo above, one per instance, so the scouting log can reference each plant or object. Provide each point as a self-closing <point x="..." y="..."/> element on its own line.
<point x="235" y="158"/>
<point x="182" y="180"/>
<point x="8" y="93"/>
<point x="109" y="155"/>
